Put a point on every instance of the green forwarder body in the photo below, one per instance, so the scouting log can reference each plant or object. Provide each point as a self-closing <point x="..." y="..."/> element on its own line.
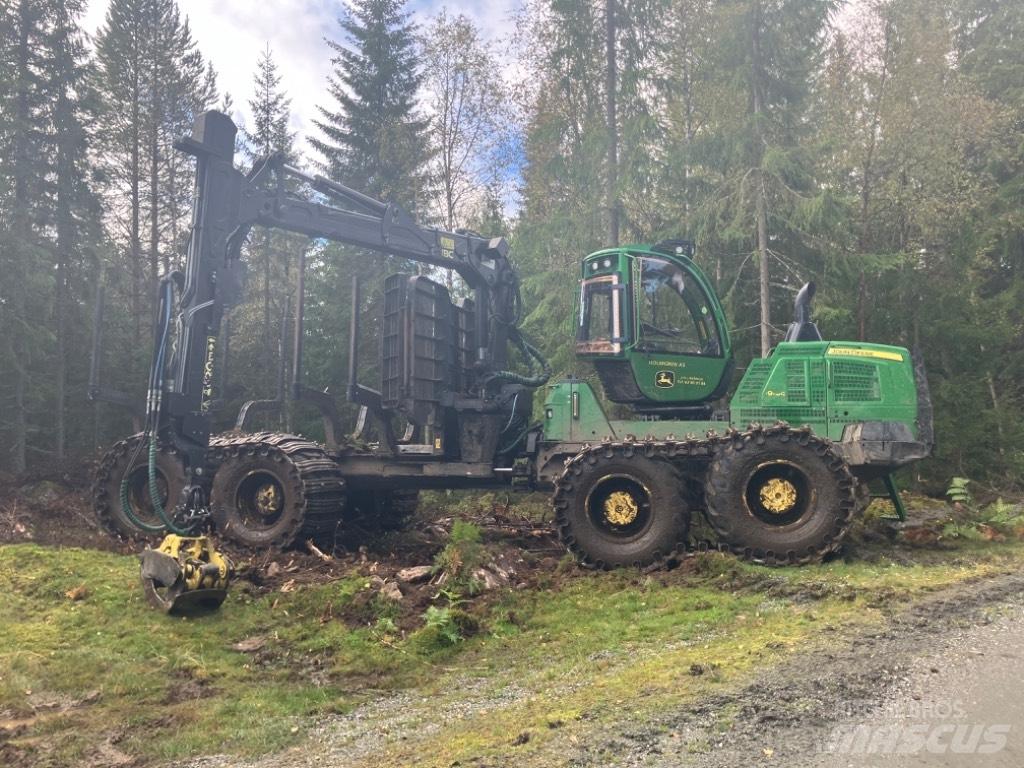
<point x="863" y="397"/>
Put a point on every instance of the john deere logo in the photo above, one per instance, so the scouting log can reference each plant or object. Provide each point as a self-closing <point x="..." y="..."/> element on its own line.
<point x="664" y="379"/>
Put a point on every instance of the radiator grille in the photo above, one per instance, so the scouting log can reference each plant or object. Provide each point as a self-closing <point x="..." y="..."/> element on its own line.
<point x="855" y="382"/>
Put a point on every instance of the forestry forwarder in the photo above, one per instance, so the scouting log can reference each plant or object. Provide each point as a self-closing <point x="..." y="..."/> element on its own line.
<point x="623" y="490"/>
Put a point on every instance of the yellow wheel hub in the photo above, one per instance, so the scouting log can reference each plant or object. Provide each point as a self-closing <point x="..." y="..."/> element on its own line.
<point x="268" y="500"/>
<point x="778" y="496"/>
<point x="620" y="508"/>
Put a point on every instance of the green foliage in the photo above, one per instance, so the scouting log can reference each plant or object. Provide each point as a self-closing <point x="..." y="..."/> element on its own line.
<point x="958" y="491"/>
<point x="442" y="621"/>
<point x="461" y="557"/>
<point x="372" y="137"/>
<point x="994" y="521"/>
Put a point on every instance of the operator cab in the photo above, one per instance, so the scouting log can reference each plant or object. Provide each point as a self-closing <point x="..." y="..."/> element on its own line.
<point x="652" y="326"/>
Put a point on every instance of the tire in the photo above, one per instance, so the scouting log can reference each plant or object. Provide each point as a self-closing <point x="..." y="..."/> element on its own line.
<point x="780" y="496"/>
<point x="107" y="486"/>
<point x="862" y="492"/>
<point x="615" y="507"/>
<point x="381" y="510"/>
<point x="257" y="501"/>
<point x="270" y="489"/>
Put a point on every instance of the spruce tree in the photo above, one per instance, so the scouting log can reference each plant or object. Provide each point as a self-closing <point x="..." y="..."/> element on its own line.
<point x="153" y="82"/>
<point x="373" y="139"/>
<point x="76" y="213"/>
<point x="766" y="56"/>
<point x="269" y="252"/>
<point x="23" y="26"/>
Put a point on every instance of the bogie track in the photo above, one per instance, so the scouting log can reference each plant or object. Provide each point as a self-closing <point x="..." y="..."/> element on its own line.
<point x="129" y="455"/>
<point x="271" y="489"/>
<point x="803" y="466"/>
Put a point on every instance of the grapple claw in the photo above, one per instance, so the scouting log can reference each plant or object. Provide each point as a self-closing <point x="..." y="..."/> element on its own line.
<point x="185" y="575"/>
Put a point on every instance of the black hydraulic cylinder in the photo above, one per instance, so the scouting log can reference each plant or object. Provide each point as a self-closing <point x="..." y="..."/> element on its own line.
<point x="353" y="342"/>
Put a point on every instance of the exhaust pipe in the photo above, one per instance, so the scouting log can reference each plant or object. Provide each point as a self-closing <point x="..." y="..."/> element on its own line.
<point x="803" y="328"/>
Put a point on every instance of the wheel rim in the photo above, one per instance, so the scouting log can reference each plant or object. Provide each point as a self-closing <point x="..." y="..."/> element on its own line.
<point x="778" y="493"/>
<point x="259" y="500"/>
<point x="619" y="506"/>
<point x="138" y="493"/>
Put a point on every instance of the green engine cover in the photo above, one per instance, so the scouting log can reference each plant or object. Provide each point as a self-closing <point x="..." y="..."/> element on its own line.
<point x="826" y="385"/>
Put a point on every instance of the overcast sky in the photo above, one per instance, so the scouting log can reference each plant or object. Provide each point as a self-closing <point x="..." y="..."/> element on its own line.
<point x="233" y="33"/>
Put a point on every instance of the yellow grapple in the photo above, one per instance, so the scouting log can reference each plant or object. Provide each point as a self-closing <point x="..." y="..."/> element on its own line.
<point x="185" y="574"/>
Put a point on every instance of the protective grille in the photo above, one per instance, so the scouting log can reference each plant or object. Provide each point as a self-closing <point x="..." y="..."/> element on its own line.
<point x="754" y="381"/>
<point x="796" y="381"/>
<point x="855" y="382"/>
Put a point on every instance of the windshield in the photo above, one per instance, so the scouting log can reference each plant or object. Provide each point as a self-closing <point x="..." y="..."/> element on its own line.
<point x="672" y="312"/>
<point x="599" y="325"/>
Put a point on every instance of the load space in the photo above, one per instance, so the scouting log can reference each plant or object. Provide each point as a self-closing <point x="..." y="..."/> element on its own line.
<point x="777" y="471"/>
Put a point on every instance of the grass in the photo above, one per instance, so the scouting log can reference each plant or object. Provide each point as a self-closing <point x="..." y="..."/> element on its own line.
<point x="576" y="651"/>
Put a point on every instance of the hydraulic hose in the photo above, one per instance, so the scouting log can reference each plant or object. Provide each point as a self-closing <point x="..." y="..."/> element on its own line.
<point x="529" y="352"/>
<point x="156" y="375"/>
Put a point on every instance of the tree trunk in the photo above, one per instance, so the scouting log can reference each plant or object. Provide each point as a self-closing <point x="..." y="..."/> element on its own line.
<point x="154" y="188"/>
<point x="20" y="226"/>
<point x="612" y="128"/>
<point x="135" y="202"/>
<point x="761" y="195"/>
<point x="865" y="190"/>
<point x="65" y="236"/>
<point x="268" y="347"/>
<point x="762" y="250"/>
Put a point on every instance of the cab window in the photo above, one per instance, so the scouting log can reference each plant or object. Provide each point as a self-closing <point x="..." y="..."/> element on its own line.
<point x="599" y="324"/>
<point x="673" y="314"/>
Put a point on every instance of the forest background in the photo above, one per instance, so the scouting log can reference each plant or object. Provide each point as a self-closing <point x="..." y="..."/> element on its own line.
<point x="875" y="148"/>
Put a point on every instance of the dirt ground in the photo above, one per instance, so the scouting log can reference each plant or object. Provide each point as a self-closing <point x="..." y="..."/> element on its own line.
<point x="55" y="513"/>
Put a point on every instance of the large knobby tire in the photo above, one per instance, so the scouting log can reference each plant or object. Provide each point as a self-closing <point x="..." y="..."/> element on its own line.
<point x="381" y="510"/>
<point x="257" y="500"/>
<point x="272" y="490"/>
<point x="118" y="462"/>
<point x="780" y="496"/>
<point x="616" y="507"/>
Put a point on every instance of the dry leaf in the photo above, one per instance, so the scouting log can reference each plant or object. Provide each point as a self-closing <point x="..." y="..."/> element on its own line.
<point x="250" y="644"/>
<point x="77" y="593"/>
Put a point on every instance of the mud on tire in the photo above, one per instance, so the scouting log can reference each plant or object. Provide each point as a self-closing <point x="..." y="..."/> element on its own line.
<point x="780" y="496"/>
<point x="106" y="492"/>
<point x="270" y="489"/>
<point x="616" y="507"/>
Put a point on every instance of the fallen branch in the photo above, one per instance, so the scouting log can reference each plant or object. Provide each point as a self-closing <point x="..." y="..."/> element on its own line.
<point x="314" y="550"/>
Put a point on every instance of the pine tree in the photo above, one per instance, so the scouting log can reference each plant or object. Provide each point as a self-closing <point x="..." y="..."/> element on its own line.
<point x="270" y="252"/>
<point x="153" y="82"/>
<point x="75" y="208"/>
<point x="373" y="138"/>
<point x="22" y="154"/>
